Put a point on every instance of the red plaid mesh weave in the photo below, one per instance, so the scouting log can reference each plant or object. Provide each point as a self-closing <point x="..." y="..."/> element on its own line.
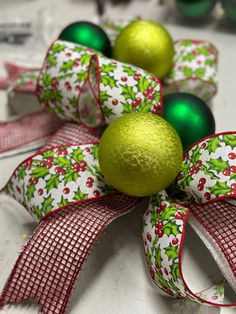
<point x="72" y="133"/>
<point x="47" y="269"/>
<point x="219" y="221"/>
<point x="27" y="130"/>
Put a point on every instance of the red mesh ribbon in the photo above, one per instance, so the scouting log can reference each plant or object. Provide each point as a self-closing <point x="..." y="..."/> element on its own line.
<point x="27" y="130"/>
<point x="51" y="261"/>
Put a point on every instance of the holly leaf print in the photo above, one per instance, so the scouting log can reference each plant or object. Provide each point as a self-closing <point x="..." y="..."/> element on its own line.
<point x="218" y="164"/>
<point x="79" y="195"/>
<point x="52" y="182"/>
<point x="154" y="217"/>
<point x="39" y="172"/>
<point x="47" y="79"/>
<point x="127" y="108"/>
<point x="67" y="66"/>
<point x="189" y="57"/>
<point x="145" y="106"/>
<point x="63" y="162"/>
<point x="143" y="84"/>
<point x="30" y="192"/>
<point x="200" y="72"/>
<point x="128" y="70"/>
<point x="73" y="101"/>
<point x="187" y="179"/>
<point x="81" y="76"/>
<point x="172" y="252"/>
<point x="85" y="59"/>
<point x="175" y="271"/>
<point x="158" y="258"/>
<point x="220" y="188"/>
<point x="9" y="188"/>
<point x="95" y="152"/>
<point x="203" y="51"/>
<point x="209" y="173"/>
<point x="106" y="68"/>
<point x="162" y="282"/>
<point x="77" y="49"/>
<point x="57" y="48"/>
<point x="47" y="205"/>
<point x="37" y="212"/>
<point x="213" y="144"/>
<point x="127" y="92"/>
<point x="149" y="257"/>
<point x="104" y="96"/>
<point x="71" y="176"/>
<point x="220" y="289"/>
<point x="51" y="60"/>
<point x="156" y="200"/>
<point x="21" y="172"/>
<point x="171" y="228"/>
<point x="188" y="72"/>
<point x="47" y="154"/>
<point x="196" y="155"/>
<point x="167" y="213"/>
<point x="186" y="43"/>
<point x="77" y="155"/>
<point x="233" y="176"/>
<point x="230" y="139"/>
<point x="63" y="202"/>
<point x="108" y="80"/>
<point x="107" y="111"/>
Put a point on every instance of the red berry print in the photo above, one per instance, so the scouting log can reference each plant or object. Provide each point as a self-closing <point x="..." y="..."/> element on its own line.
<point x="233" y="186"/>
<point x="145" y="94"/>
<point x="195" y="170"/>
<point x="151" y="96"/>
<point x="124" y="78"/>
<point x="31" y="181"/>
<point x="51" y="159"/>
<point x="226" y="172"/>
<point x="66" y="191"/>
<point x="149" y="237"/>
<point x="43" y="163"/>
<point x="202" y="181"/>
<point x="232" y="155"/>
<point x="207" y="196"/>
<point x="160" y="233"/>
<point x="175" y="241"/>
<point x="163" y="206"/>
<point x="96" y="193"/>
<point x="40" y="191"/>
<point x="35" y="180"/>
<point x="166" y="271"/>
<point x="159" y="225"/>
<point x="178" y="215"/>
<point x="58" y="170"/>
<point x="199" y="163"/>
<point x="200" y="187"/>
<point x="150" y="89"/>
<point x="233" y="169"/>
<point x="203" y="145"/>
<point x="233" y="193"/>
<point x="87" y="149"/>
<point x="114" y="102"/>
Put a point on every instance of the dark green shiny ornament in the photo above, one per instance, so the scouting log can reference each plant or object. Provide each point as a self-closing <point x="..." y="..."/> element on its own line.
<point x="230" y="9"/>
<point x="89" y="35"/>
<point x="195" y="9"/>
<point x="190" y="116"/>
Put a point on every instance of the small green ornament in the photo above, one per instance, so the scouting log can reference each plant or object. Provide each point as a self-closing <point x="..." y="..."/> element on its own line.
<point x="230" y="9"/>
<point x="190" y="116"/>
<point x="89" y="35"/>
<point x="195" y="9"/>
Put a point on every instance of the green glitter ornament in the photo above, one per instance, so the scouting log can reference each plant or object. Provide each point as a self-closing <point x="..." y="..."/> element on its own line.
<point x="195" y="9"/>
<point x="190" y="116"/>
<point x="89" y="35"/>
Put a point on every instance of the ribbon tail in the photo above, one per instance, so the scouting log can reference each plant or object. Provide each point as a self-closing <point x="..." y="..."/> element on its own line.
<point x="47" y="268"/>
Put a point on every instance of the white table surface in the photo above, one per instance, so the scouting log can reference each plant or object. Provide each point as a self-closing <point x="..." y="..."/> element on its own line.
<point x="115" y="278"/>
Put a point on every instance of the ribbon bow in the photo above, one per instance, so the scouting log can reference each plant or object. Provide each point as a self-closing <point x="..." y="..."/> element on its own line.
<point x="63" y="188"/>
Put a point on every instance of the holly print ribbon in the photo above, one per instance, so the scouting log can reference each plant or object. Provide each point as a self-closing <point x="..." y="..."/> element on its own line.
<point x="207" y="177"/>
